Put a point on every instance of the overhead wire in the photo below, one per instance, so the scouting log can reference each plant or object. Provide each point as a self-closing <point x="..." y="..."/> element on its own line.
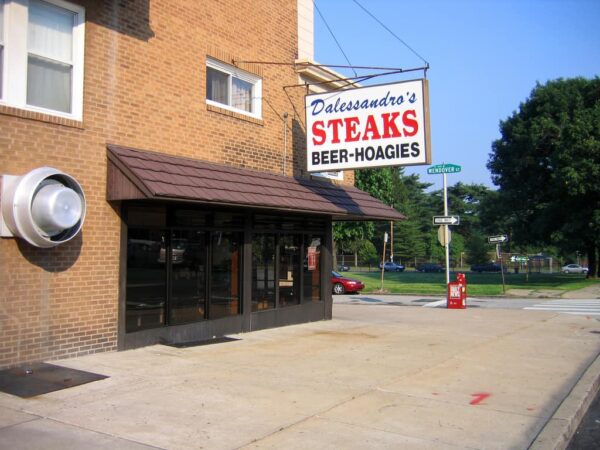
<point x="391" y="32"/>
<point x="333" y="36"/>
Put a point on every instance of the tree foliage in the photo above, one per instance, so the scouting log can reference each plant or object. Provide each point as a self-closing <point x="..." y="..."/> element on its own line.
<point x="547" y="166"/>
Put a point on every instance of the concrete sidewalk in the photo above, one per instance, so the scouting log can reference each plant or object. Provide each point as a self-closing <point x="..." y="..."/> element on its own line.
<point x="384" y="377"/>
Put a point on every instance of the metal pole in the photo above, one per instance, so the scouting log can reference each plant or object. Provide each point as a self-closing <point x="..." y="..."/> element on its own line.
<point x="391" y="240"/>
<point x="383" y="263"/>
<point x="285" y="116"/>
<point x="447" y="244"/>
<point x="499" y="253"/>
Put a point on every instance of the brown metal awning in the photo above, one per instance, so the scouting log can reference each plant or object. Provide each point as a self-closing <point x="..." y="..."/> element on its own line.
<point x="140" y="174"/>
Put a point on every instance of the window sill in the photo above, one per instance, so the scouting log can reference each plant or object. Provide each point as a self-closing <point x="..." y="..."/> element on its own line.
<point x="40" y="117"/>
<point x="235" y="115"/>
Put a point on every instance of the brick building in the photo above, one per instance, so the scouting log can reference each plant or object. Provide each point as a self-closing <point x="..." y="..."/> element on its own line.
<point x="200" y="219"/>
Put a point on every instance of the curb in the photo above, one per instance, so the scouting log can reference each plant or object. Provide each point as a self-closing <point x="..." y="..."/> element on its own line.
<point x="561" y="427"/>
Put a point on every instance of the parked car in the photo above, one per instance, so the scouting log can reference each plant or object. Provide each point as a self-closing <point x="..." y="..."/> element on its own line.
<point x="488" y="267"/>
<point x="341" y="284"/>
<point x="344" y="268"/>
<point x="390" y="266"/>
<point x="429" y="267"/>
<point x="574" y="268"/>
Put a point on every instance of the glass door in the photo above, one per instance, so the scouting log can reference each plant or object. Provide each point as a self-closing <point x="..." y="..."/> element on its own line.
<point x="146" y="279"/>
<point x="188" y="276"/>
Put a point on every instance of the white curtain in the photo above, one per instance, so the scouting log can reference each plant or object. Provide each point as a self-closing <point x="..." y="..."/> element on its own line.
<point x="1" y="21"/>
<point x="241" y="95"/>
<point x="50" y="66"/>
<point x="216" y="86"/>
<point x="1" y="43"/>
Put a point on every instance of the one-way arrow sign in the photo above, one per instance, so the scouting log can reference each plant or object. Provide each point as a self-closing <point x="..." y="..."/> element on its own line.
<point x="498" y="239"/>
<point x="446" y="220"/>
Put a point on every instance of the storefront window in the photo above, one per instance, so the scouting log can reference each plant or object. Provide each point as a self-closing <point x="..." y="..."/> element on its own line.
<point x="225" y="298"/>
<point x="188" y="276"/>
<point x="146" y="280"/>
<point x="289" y="270"/>
<point x="312" y="268"/>
<point x="263" y="272"/>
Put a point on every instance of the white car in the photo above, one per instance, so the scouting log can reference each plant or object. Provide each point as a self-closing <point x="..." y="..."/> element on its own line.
<point x="574" y="268"/>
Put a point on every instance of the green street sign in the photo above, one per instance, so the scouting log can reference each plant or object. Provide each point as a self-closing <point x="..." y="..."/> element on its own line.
<point x="444" y="168"/>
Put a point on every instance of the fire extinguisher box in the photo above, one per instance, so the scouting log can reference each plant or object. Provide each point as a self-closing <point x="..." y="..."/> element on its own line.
<point x="456" y="299"/>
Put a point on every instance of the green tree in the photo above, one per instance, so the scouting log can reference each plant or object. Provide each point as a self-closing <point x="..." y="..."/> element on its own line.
<point x="378" y="183"/>
<point x="477" y="249"/>
<point x="466" y="201"/>
<point x="547" y="166"/>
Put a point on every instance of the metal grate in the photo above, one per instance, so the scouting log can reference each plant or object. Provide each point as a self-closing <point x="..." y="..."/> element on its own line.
<point x="199" y="343"/>
<point x="34" y="379"/>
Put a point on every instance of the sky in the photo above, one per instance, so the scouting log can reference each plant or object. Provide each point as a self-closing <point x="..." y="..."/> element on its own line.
<point x="485" y="58"/>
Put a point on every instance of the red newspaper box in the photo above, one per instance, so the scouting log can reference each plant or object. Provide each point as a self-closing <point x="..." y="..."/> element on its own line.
<point x="462" y="279"/>
<point x="456" y="299"/>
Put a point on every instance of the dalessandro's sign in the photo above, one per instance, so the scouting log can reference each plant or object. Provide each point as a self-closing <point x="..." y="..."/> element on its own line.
<point x="375" y="126"/>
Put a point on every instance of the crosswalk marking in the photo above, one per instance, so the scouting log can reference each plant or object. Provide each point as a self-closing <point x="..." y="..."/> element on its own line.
<point x="589" y="307"/>
<point x="435" y="304"/>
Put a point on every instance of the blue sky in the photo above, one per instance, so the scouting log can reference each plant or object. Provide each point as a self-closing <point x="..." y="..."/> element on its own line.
<point x="485" y="57"/>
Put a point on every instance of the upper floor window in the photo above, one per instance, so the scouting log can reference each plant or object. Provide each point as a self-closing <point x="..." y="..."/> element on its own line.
<point x="41" y="56"/>
<point x="233" y="89"/>
<point x="1" y="44"/>
<point x="337" y="175"/>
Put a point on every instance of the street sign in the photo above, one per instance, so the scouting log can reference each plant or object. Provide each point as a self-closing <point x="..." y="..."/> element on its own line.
<point x="444" y="168"/>
<point x="442" y="236"/>
<point x="498" y="239"/>
<point x="446" y="220"/>
<point x="519" y="259"/>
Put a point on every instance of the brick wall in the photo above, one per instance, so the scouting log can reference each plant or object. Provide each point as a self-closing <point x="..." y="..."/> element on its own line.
<point x="144" y="87"/>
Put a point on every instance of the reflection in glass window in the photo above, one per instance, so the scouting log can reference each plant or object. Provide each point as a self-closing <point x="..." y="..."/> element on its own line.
<point x="225" y="296"/>
<point x="188" y="276"/>
<point x="289" y="270"/>
<point x="146" y="280"/>
<point x="312" y="269"/>
<point x="241" y="94"/>
<point x="263" y="272"/>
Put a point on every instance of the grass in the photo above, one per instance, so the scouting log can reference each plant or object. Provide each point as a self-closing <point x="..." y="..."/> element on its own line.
<point x="477" y="283"/>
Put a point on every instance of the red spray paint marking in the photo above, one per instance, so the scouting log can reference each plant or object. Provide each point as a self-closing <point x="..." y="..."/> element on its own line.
<point x="479" y="398"/>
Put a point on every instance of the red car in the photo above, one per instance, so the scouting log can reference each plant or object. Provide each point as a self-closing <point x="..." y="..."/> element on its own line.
<point x="341" y="284"/>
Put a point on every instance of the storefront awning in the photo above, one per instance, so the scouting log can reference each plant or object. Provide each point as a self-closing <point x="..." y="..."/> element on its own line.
<point x="139" y="174"/>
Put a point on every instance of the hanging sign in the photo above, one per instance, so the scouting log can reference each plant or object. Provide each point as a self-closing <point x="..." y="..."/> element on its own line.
<point x="374" y="126"/>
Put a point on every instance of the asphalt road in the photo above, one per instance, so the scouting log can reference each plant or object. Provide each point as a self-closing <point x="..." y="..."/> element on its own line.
<point x="587" y="435"/>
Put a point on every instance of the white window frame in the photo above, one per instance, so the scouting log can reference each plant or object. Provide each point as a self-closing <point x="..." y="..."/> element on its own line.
<point x="14" y="92"/>
<point x="232" y="71"/>
<point x="333" y="175"/>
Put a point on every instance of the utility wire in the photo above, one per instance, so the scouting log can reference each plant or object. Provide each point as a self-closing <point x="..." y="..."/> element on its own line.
<point x="333" y="36"/>
<point x="390" y="31"/>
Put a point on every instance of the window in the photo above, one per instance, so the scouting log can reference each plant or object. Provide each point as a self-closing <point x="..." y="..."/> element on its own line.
<point x="339" y="175"/>
<point x="1" y="43"/>
<point x="233" y="89"/>
<point x="41" y="57"/>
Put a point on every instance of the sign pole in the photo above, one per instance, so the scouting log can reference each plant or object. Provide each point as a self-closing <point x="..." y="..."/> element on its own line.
<point x="385" y="239"/>
<point x="499" y="253"/>
<point x="446" y="243"/>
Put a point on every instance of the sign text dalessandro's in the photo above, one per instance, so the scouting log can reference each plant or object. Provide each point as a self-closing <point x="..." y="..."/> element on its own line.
<point x="375" y="126"/>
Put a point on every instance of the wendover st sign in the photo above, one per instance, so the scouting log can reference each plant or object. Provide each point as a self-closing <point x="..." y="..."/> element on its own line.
<point x="444" y="168"/>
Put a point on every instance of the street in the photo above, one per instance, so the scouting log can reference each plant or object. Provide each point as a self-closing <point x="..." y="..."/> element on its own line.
<point x="586" y="307"/>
